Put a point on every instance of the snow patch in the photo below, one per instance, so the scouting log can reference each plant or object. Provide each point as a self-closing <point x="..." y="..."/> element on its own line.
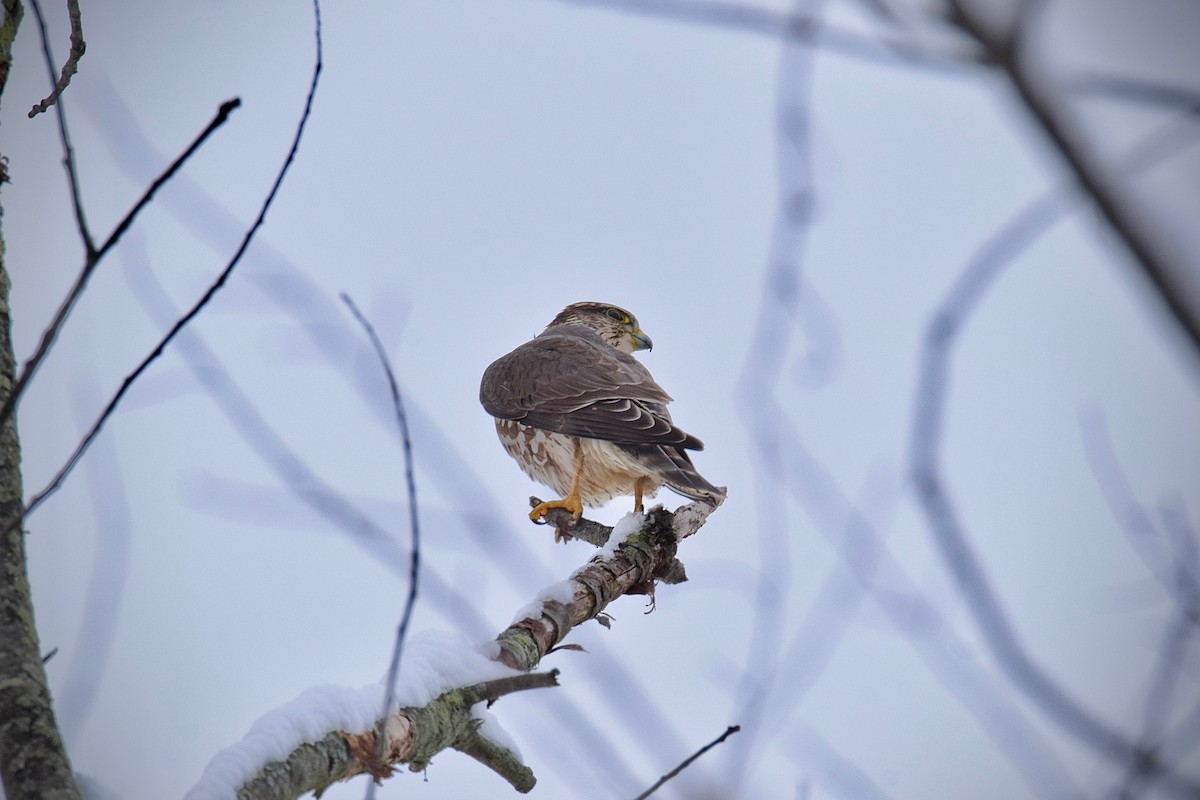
<point x="491" y="729"/>
<point x="561" y="592"/>
<point x="434" y="662"/>
<point x="630" y="523"/>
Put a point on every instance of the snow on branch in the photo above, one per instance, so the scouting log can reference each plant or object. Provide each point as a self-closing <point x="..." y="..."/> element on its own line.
<point x="331" y="733"/>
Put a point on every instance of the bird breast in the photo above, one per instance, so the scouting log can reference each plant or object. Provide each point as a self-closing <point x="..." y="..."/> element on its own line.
<point x="549" y="458"/>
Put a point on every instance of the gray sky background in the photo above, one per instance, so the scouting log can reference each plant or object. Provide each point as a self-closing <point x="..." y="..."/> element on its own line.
<point x="469" y="169"/>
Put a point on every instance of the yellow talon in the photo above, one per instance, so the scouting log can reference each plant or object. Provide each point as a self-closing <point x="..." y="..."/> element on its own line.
<point x="571" y="503"/>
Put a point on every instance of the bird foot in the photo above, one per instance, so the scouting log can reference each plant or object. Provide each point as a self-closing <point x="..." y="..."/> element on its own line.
<point x="562" y="514"/>
<point x="571" y="504"/>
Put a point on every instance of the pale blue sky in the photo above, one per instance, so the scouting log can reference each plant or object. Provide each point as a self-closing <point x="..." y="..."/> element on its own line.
<point x="469" y="169"/>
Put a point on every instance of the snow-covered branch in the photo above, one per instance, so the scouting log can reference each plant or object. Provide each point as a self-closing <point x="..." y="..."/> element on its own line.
<point x="330" y="733"/>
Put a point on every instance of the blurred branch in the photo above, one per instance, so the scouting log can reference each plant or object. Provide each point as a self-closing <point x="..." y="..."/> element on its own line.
<point x="1137" y="90"/>
<point x="71" y="65"/>
<point x="93" y="257"/>
<point x="1176" y="574"/>
<point x="802" y="28"/>
<point x="415" y="735"/>
<point x="414" y="524"/>
<point x="89" y="657"/>
<point x="838" y="774"/>
<point x="922" y="622"/>
<point x="942" y="518"/>
<point x="730" y="731"/>
<point x="200" y="304"/>
<point x="1163" y="260"/>
<point x="778" y="309"/>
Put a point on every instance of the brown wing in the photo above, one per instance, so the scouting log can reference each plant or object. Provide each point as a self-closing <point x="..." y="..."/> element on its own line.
<point x="573" y="382"/>
<point x="675" y="468"/>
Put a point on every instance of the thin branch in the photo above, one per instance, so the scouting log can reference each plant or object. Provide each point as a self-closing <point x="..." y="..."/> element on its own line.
<point x="748" y="18"/>
<point x="1159" y="255"/>
<point x="942" y="518"/>
<point x="1136" y="90"/>
<point x="1176" y="576"/>
<point x="414" y="525"/>
<point x="923" y="623"/>
<point x="68" y="151"/>
<point x="200" y="304"/>
<point x="78" y="46"/>
<point x="93" y="259"/>
<point x="730" y="731"/>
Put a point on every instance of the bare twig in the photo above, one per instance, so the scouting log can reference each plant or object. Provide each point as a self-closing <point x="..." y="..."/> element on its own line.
<point x="78" y="45"/>
<point x="68" y="151"/>
<point x="93" y="257"/>
<point x="414" y="525"/>
<point x="730" y="731"/>
<point x="200" y="304"/>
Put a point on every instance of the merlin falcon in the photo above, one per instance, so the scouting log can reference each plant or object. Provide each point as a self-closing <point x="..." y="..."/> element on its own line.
<point x="581" y="415"/>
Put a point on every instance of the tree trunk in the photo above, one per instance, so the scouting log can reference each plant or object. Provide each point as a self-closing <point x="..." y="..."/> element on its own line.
<point x="33" y="762"/>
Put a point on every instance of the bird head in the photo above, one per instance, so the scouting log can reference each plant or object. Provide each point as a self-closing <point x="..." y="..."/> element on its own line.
<point x="614" y="324"/>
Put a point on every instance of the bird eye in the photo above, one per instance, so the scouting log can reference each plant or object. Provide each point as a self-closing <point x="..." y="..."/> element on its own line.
<point x="617" y="315"/>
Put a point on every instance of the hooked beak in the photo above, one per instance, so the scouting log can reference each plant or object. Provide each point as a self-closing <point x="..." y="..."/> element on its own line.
<point x="640" y="341"/>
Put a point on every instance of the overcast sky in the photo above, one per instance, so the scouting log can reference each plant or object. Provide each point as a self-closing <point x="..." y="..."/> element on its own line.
<point x="469" y="169"/>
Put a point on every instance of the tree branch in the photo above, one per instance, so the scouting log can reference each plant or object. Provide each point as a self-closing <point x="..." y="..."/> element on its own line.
<point x="634" y="566"/>
<point x="730" y="731"/>
<point x="1159" y="255"/>
<point x="71" y="65"/>
<point x="413" y="521"/>
<point x="937" y="504"/>
<point x="92" y="260"/>
<point x="200" y="304"/>
<point x="68" y="150"/>
<point x="745" y="17"/>
<point x="413" y="736"/>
